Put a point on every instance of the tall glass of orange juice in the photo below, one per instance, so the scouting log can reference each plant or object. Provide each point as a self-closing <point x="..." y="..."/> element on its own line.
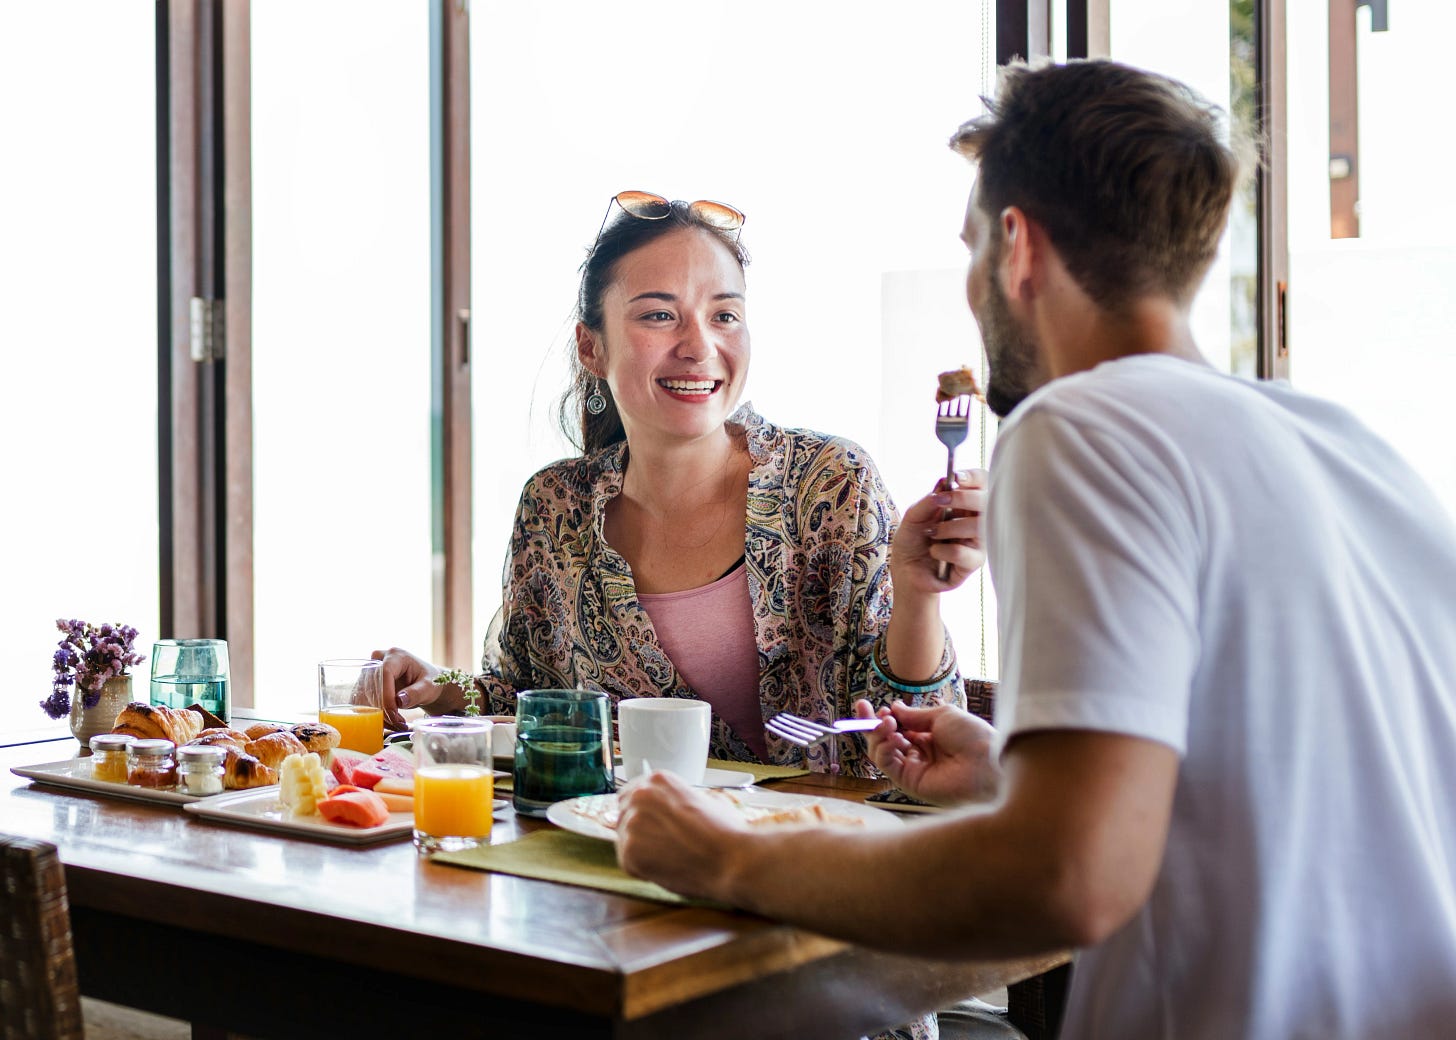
<point x="351" y="693"/>
<point x="454" y="783"/>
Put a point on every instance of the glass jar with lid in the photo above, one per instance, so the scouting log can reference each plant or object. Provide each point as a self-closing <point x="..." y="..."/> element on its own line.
<point x="108" y="756"/>
<point x="200" y="769"/>
<point x="150" y="763"/>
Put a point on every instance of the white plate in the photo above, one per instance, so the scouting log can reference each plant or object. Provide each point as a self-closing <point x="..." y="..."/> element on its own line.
<point x="711" y="777"/>
<point x="260" y="809"/>
<point x="565" y="815"/>
<point x="75" y="774"/>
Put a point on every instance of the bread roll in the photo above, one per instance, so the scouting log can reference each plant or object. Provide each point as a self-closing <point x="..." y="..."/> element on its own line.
<point x="273" y="748"/>
<point x="262" y="729"/>
<point x="150" y="721"/>
<point x="319" y="737"/>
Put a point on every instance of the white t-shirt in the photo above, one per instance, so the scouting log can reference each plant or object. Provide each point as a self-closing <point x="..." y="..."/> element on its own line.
<point x="1251" y="577"/>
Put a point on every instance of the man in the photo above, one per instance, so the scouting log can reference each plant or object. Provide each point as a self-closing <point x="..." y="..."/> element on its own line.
<point x="1228" y="631"/>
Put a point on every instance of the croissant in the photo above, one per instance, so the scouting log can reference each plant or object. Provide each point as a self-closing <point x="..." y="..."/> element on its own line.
<point x="272" y="749"/>
<point x="317" y="736"/>
<point x="241" y="771"/>
<point x="221" y="738"/>
<point x="149" y="721"/>
<point x="262" y="729"/>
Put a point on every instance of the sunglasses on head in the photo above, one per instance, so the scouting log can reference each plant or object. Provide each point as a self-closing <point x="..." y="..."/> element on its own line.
<point x="646" y="206"/>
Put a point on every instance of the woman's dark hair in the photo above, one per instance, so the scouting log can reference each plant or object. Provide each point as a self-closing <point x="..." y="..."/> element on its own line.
<point x="622" y="235"/>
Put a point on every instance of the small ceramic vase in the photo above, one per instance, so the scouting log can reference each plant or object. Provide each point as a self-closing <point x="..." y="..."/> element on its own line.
<point x="87" y="722"/>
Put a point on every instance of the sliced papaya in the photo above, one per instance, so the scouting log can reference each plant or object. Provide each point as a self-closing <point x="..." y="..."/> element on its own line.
<point x="353" y="807"/>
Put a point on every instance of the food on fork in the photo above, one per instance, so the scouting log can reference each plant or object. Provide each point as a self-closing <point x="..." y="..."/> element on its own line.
<point x="151" y="721"/>
<point x="956" y="383"/>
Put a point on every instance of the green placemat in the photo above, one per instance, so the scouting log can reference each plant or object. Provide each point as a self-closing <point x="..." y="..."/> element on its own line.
<point x="760" y="772"/>
<point x="567" y="858"/>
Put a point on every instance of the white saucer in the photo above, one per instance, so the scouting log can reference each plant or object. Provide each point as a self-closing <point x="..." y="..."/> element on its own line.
<point x="715" y="778"/>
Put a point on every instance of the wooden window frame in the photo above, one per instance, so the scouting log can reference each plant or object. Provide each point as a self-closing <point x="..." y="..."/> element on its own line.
<point x="1023" y="29"/>
<point x="205" y="433"/>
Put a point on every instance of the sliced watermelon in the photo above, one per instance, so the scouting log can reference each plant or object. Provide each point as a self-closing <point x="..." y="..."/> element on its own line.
<point x="344" y="762"/>
<point x="387" y="763"/>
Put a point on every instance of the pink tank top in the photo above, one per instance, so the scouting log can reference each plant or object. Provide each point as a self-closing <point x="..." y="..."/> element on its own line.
<point x="709" y="636"/>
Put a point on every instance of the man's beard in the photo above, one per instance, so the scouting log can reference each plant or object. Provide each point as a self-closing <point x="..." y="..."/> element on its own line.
<point x="1010" y="353"/>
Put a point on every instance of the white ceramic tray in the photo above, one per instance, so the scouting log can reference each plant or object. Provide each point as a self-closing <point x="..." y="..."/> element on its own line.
<point x="75" y="774"/>
<point x="260" y="809"/>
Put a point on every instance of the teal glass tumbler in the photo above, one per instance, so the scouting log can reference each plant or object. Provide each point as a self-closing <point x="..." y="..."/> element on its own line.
<point x="563" y="748"/>
<point x="192" y="671"/>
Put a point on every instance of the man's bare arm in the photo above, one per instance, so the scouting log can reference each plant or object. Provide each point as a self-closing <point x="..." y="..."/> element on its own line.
<point x="1063" y="861"/>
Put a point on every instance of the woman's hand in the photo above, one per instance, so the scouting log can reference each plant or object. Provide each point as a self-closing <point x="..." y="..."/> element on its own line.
<point x="923" y="540"/>
<point x="939" y="754"/>
<point x="407" y="681"/>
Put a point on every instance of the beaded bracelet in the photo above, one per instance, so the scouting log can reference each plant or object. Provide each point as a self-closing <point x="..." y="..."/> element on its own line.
<point x="882" y="669"/>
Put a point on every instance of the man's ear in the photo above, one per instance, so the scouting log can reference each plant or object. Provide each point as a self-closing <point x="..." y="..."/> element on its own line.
<point x="1019" y="254"/>
<point x="588" y="349"/>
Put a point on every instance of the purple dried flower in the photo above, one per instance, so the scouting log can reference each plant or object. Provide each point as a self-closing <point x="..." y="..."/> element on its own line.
<point x="87" y="656"/>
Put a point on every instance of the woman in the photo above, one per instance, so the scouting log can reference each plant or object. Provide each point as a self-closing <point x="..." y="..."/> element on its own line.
<point x="695" y="549"/>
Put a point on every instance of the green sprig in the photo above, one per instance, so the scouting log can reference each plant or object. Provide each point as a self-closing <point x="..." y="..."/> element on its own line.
<point x="466" y="681"/>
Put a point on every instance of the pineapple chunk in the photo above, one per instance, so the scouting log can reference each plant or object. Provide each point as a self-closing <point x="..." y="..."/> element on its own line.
<point x="302" y="784"/>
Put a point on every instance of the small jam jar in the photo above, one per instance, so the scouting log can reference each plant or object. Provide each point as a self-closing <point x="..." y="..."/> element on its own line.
<point x="150" y="764"/>
<point x="108" y="756"/>
<point x="199" y="769"/>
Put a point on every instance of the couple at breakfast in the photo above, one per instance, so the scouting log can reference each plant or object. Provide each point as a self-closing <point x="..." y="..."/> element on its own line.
<point x="1227" y="710"/>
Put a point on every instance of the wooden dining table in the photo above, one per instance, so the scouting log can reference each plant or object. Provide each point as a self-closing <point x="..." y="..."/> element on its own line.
<point x="268" y="935"/>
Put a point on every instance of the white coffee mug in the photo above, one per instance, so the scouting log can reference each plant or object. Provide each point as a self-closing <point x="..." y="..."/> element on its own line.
<point x="664" y="733"/>
<point x="503" y="735"/>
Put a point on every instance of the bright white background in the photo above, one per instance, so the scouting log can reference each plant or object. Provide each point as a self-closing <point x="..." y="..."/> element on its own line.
<point x="78" y="334"/>
<point x="825" y="124"/>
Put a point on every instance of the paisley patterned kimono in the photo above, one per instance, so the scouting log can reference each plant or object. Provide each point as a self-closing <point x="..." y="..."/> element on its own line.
<point x="817" y="549"/>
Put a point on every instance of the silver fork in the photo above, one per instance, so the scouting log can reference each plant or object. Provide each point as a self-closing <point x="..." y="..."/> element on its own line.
<point x="952" y="423"/>
<point x="806" y="733"/>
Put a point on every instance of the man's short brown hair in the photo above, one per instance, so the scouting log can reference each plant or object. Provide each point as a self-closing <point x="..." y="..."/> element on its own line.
<point x="1128" y="172"/>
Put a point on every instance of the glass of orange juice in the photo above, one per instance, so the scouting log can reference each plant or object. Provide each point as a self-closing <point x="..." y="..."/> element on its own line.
<point x="351" y="699"/>
<point x="454" y="783"/>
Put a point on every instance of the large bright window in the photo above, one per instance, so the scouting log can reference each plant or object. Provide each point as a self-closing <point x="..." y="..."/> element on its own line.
<point x="78" y="324"/>
<point x="341" y="337"/>
<point x="1371" y="317"/>
<point x="826" y="124"/>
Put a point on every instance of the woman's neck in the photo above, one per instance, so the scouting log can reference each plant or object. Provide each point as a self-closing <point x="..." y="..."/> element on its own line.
<point x="665" y="479"/>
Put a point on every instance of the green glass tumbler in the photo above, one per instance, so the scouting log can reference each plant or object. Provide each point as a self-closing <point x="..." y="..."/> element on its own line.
<point x="563" y="747"/>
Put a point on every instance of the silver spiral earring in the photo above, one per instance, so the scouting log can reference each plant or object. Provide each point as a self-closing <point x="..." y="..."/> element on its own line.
<point x="596" y="403"/>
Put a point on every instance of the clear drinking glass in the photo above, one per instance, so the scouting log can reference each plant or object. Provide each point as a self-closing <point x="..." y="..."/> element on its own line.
<point x="563" y="747"/>
<point x="192" y="671"/>
<point x="454" y="783"/>
<point x="351" y="699"/>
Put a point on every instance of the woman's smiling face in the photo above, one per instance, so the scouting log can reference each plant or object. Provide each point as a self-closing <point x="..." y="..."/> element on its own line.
<point x="674" y="342"/>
